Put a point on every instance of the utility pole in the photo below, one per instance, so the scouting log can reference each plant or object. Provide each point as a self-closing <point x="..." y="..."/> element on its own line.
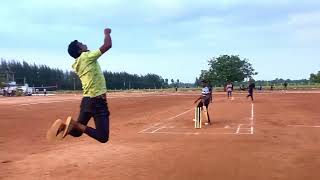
<point x="74" y="84"/>
<point x="38" y="77"/>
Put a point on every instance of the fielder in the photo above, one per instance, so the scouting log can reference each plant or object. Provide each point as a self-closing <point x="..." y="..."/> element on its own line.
<point x="229" y="88"/>
<point x="250" y="89"/>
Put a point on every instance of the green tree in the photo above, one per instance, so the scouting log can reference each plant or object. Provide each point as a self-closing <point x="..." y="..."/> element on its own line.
<point x="315" y="77"/>
<point x="38" y="75"/>
<point x="2" y="75"/>
<point x="166" y="82"/>
<point x="2" y="79"/>
<point x="227" y="68"/>
<point x="197" y="82"/>
<point x="172" y="82"/>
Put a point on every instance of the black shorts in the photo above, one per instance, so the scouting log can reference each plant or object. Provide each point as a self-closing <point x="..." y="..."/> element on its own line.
<point x="206" y="103"/>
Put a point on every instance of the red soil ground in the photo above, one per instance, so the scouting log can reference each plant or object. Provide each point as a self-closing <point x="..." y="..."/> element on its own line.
<point x="153" y="138"/>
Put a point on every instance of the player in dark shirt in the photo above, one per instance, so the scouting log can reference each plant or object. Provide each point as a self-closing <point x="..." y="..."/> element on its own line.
<point x="250" y="89"/>
<point x="285" y="85"/>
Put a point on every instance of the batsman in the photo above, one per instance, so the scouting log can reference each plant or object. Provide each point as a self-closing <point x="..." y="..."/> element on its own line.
<point x="204" y="100"/>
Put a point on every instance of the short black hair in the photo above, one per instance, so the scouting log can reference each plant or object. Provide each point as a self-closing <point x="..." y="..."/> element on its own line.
<point x="74" y="49"/>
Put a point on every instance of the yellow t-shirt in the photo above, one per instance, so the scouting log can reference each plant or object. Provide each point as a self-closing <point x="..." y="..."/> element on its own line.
<point x="88" y="69"/>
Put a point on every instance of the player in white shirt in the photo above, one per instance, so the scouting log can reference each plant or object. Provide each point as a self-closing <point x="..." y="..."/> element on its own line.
<point x="229" y="89"/>
<point x="205" y="98"/>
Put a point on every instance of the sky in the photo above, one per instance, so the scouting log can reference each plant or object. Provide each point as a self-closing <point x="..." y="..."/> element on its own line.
<point x="171" y="38"/>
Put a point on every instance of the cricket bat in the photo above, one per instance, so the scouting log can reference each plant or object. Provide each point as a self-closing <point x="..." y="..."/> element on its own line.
<point x="205" y="113"/>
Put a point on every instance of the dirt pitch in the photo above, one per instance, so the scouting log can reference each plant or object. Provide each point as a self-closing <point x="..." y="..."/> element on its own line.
<point x="153" y="138"/>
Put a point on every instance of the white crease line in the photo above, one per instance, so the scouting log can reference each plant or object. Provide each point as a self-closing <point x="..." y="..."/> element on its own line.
<point x="48" y="102"/>
<point x="238" y="129"/>
<point x="252" y="114"/>
<point x="192" y="133"/>
<point x="156" y="130"/>
<point x="304" y="126"/>
<point x="210" y="128"/>
<point x="252" y="117"/>
<point x="164" y="132"/>
<point x="178" y="115"/>
<point x="149" y="127"/>
<point x="143" y="131"/>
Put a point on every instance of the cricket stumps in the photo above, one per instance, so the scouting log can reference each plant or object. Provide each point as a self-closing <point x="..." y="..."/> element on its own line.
<point x="198" y="116"/>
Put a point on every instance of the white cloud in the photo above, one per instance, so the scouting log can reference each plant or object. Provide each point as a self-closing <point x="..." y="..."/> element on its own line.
<point x="305" y="19"/>
<point x="68" y="4"/>
<point x="306" y="27"/>
<point x="50" y="58"/>
<point x="189" y="28"/>
<point x="168" y="65"/>
<point x="168" y="44"/>
<point x="164" y="4"/>
<point x="84" y="11"/>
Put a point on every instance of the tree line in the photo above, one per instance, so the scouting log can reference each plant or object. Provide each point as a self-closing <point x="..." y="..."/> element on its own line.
<point x="315" y="77"/>
<point x="227" y="68"/>
<point x="221" y="70"/>
<point x="43" y="75"/>
<point x="238" y="71"/>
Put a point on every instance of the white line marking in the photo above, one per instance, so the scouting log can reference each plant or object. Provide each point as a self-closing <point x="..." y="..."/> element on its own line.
<point x="252" y="117"/>
<point x="47" y="102"/>
<point x="250" y="129"/>
<point x="192" y="133"/>
<point x="149" y="128"/>
<point x="156" y="130"/>
<point x="166" y="120"/>
<point x="238" y="129"/>
<point x="252" y="114"/>
<point x="304" y="126"/>
<point x="211" y="128"/>
<point x="178" y="115"/>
